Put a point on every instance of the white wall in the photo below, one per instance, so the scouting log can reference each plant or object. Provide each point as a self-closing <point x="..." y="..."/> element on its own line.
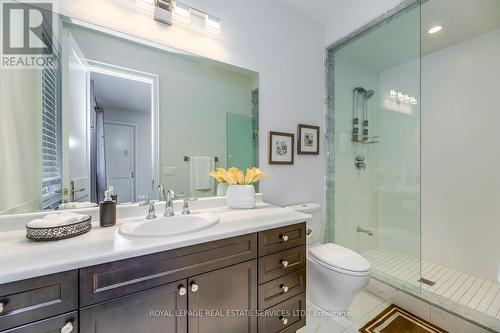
<point x="398" y="179"/>
<point x="460" y="156"/>
<point x="356" y="200"/>
<point x="265" y="36"/>
<point x="353" y="15"/>
<point x="143" y="158"/>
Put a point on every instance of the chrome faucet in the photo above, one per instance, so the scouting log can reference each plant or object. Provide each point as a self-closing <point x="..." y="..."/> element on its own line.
<point x="161" y="192"/>
<point x="151" y="212"/>
<point x="169" y="205"/>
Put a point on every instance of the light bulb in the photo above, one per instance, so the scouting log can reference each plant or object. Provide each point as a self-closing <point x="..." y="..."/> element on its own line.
<point x="213" y="24"/>
<point x="181" y="12"/>
<point x="435" y="29"/>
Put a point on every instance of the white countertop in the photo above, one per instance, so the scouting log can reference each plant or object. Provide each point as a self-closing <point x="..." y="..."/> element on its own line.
<point x="22" y="259"/>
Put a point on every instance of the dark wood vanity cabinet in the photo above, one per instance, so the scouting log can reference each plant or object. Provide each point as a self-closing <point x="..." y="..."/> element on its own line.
<point x="245" y="284"/>
<point x="156" y="310"/>
<point x="66" y="323"/>
<point x="200" y="304"/>
<point x="282" y="279"/>
<point x="26" y="301"/>
<point x="223" y="299"/>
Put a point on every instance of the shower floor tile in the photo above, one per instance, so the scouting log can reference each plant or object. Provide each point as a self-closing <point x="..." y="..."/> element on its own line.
<point x="460" y="292"/>
<point x="364" y="307"/>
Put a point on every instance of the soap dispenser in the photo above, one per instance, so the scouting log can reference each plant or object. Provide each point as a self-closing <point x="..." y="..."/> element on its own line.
<point x="113" y="195"/>
<point x="107" y="211"/>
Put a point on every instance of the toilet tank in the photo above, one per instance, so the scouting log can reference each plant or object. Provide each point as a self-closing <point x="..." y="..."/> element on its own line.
<point x="316" y="224"/>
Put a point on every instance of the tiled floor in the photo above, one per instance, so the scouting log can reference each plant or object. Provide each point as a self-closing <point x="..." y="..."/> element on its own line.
<point x="364" y="308"/>
<point x="465" y="290"/>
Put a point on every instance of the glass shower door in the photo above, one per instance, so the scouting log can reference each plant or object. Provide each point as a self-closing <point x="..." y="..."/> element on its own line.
<point x="241" y="145"/>
<point x="374" y="197"/>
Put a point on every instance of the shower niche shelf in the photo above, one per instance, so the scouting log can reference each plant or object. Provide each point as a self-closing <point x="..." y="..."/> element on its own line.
<point x="371" y="140"/>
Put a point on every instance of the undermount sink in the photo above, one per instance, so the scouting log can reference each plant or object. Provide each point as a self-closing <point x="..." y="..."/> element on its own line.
<point x="167" y="226"/>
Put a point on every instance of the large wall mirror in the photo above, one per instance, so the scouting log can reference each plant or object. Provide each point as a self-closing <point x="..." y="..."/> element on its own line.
<point x="122" y="112"/>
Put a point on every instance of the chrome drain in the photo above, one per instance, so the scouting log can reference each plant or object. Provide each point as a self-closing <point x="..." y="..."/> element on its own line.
<point x="427" y="282"/>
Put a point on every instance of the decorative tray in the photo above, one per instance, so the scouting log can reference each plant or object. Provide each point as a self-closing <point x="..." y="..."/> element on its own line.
<point x="60" y="232"/>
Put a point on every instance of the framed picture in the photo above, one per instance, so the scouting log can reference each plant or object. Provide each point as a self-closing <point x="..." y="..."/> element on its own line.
<point x="281" y="148"/>
<point x="308" y="140"/>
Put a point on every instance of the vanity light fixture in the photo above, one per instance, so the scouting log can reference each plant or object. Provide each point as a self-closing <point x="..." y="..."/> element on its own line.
<point x="171" y="11"/>
<point x="163" y="11"/>
<point x="182" y="12"/>
<point x="213" y="24"/>
<point x="435" y="29"/>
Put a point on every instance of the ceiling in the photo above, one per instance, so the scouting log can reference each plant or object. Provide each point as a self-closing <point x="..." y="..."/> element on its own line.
<point x="321" y="11"/>
<point x="405" y="37"/>
<point x="461" y="20"/>
<point x="113" y="92"/>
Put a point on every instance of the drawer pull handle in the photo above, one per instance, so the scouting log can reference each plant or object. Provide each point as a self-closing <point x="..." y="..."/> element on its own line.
<point x="194" y="287"/>
<point x="284" y="288"/>
<point x="284" y="263"/>
<point x="284" y="238"/>
<point x="1" y="307"/>
<point x="68" y="328"/>
<point x="284" y="320"/>
<point x="182" y="291"/>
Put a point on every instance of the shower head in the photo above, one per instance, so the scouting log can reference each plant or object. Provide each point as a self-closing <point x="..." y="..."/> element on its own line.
<point x="366" y="93"/>
<point x="369" y="94"/>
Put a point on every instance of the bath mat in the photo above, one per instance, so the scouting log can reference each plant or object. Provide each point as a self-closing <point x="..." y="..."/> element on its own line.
<point x="396" y="320"/>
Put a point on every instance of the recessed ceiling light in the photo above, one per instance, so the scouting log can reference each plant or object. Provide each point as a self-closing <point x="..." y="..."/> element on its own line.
<point x="435" y="29"/>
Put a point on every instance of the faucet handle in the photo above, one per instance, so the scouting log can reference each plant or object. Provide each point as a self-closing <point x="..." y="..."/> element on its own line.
<point x="146" y="201"/>
<point x="185" y="206"/>
<point x="151" y="212"/>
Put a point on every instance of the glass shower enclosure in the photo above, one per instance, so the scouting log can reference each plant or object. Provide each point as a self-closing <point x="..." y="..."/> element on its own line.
<point x="374" y="123"/>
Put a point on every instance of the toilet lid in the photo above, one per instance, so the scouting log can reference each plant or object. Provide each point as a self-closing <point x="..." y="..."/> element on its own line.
<point x="340" y="257"/>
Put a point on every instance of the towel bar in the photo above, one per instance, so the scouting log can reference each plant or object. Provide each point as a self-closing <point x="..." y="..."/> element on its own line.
<point x="187" y="158"/>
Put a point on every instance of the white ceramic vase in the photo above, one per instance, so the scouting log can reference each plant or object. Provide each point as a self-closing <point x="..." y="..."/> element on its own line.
<point x="241" y="196"/>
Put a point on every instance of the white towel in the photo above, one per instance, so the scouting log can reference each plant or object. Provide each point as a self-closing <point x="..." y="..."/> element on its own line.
<point x="199" y="168"/>
<point x="75" y="205"/>
<point x="57" y="220"/>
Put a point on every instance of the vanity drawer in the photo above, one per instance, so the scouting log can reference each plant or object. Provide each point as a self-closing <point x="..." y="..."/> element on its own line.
<point x="282" y="263"/>
<point x="286" y="317"/>
<point x="67" y="321"/>
<point x="281" y="289"/>
<point x="38" y="298"/>
<point x="111" y="280"/>
<point x="279" y="239"/>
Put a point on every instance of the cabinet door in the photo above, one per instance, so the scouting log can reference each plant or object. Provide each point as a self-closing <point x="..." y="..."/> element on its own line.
<point x="157" y="310"/>
<point x="219" y="301"/>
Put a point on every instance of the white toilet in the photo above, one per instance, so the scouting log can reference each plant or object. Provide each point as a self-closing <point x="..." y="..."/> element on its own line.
<point x="335" y="274"/>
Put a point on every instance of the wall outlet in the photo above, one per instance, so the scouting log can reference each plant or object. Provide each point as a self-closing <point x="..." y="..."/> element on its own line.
<point x="169" y="171"/>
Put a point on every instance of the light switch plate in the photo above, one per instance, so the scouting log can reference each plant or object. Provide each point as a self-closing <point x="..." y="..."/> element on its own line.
<point x="169" y="171"/>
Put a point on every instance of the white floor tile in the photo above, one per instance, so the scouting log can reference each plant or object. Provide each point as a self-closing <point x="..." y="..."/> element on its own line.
<point x="473" y="293"/>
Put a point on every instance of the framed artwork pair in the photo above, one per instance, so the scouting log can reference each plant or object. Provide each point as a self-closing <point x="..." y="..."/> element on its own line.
<point x="282" y="145"/>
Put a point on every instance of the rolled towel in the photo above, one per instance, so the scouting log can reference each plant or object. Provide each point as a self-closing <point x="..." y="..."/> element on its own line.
<point x="57" y="220"/>
<point x="75" y="216"/>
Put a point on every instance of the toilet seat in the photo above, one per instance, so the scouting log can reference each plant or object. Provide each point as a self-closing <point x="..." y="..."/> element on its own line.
<point x="340" y="259"/>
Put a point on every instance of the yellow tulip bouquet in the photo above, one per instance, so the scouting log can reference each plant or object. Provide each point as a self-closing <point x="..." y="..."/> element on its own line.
<point x="235" y="176"/>
<point x="237" y="186"/>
